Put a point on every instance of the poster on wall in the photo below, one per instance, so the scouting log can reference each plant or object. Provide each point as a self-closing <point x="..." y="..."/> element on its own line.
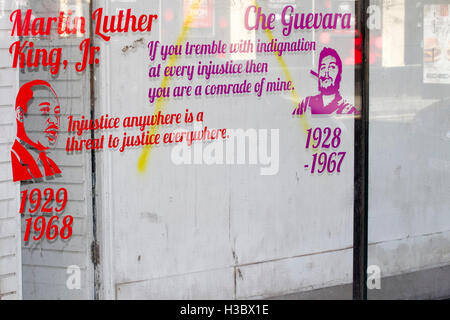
<point x="211" y="159"/>
<point x="436" y="44"/>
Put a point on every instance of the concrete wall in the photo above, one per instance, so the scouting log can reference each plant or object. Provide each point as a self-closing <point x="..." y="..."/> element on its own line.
<point x="409" y="221"/>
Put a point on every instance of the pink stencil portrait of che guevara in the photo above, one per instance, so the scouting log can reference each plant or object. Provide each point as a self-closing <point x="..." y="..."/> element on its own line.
<point x="29" y="152"/>
<point x="329" y="99"/>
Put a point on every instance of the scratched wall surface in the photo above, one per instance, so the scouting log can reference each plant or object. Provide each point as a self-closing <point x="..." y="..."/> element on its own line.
<point x="219" y="231"/>
<point x="45" y="262"/>
<point x="409" y="221"/>
<point x="10" y="257"/>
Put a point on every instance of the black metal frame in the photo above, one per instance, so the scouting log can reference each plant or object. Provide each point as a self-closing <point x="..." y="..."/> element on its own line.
<point x="361" y="165"/>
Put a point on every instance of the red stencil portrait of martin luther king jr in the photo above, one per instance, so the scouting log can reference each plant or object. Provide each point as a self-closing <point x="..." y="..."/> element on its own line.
<point x="29" y="152"/>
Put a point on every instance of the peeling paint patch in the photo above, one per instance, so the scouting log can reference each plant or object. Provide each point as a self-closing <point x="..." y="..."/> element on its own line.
<point x="240" y="274"/>
<point x="133" y="45"/>
<point x="235" y="257"/>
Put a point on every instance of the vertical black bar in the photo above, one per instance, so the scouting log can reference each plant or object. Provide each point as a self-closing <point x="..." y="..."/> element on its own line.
<point x="95" y="246"/>
<point x="361" y="174"/>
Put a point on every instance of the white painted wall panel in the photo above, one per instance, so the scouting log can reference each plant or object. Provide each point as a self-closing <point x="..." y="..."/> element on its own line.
<point x="166" y="231"/>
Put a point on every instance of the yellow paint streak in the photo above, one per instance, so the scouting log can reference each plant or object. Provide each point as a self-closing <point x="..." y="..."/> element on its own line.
<point x="160" y="102"/>
<point x="287" y="74"/>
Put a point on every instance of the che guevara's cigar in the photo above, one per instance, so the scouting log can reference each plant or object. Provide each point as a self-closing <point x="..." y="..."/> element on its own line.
<point x="314" y="73"/>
